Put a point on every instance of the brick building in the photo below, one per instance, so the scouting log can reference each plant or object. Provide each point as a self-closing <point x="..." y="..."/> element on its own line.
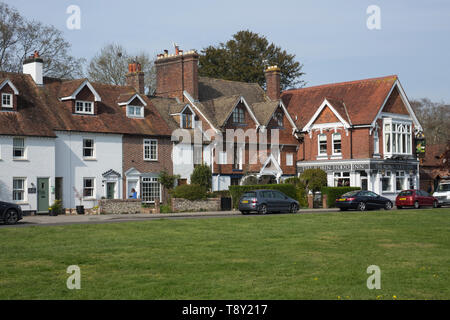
<point x="213" y="106"/>
<point x="360" y="132"/>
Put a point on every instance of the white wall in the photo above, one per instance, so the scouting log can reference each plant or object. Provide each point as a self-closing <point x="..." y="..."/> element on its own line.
<point x="71" y="166"/>
<point x="39" y="163"/>
<point x="220" y="183"/>
<point x="182" y="157"/>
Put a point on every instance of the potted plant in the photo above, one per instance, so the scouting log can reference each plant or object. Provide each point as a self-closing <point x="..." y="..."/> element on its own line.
<point x="80" y="208"/>
<point x="56" y="208"/>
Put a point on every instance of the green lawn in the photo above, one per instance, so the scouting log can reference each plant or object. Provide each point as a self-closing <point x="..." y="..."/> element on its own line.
<point x="311" y="256"/>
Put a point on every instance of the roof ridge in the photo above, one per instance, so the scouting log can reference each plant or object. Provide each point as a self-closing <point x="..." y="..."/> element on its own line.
<point x="341" y="83"/>
<point x="219" y="79"/>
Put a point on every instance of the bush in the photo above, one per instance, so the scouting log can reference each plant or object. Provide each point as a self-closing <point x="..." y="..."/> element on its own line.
<point x="220" y="194"/>
<point x="189" y="192"/>
<point x="314" y="179"/>
<point x="301" y="193"/>
<point x="202" y="176"/>
<point x="237" y="191"/>
<point x="335" y="192"/>
<point x="165" y="208"/>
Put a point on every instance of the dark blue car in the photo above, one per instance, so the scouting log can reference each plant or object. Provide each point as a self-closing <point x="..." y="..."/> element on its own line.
<point x="362" y="200"/>
<point x="265" y="201"/>
<point x="10" y="213"/>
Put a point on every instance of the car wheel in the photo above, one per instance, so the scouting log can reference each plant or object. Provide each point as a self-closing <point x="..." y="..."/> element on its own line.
<point x="294" y="208"/>
<point x="388" y="205"/>
<point x="11" y="217"/>
<point x="262" y="209"/>
<point x="416" y="205"/>
<point x="435" y="204"/>
<point x="361" y="206"/>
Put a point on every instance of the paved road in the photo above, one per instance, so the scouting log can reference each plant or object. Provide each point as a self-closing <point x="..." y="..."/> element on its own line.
<point x="30" y="221"/>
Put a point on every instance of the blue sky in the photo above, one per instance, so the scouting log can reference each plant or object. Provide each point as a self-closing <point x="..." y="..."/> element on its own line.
<point x="329" y="37"/>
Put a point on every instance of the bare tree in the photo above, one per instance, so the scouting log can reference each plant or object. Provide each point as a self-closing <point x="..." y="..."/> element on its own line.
<point x="434" y="118"/>
<point x="20" y="37"/>
<point x="110" y="65"/>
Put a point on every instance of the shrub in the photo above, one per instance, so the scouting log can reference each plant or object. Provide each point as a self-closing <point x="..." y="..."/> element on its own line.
<point x="202" y="176"/>
<point x="314" y="179"/>
<point x="189" y="192"/>
<point x="335" y="192"/>
<point x="237" y="191"/>
<point x="165" y="208"/>
<point x="220" y="194"/>
<point x="57" y="207"/>
<point x="301" y="193"/>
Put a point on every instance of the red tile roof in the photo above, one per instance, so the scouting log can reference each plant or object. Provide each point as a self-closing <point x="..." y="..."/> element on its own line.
<point x="362" y="99"/>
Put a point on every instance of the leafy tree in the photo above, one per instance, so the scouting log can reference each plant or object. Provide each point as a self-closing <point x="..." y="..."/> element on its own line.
<point x="202" y="176"/>
<point x="245" y="57"/>
<point x="110" y="65"/>
<point x="167" y="180"/>
<point x="20" y="37"/>
<point x="314" y="179"/>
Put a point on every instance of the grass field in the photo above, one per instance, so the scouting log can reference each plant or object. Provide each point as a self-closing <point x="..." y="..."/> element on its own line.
<point x="311" y="256"/>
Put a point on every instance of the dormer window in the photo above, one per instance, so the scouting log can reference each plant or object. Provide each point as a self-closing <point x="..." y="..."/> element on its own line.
<point x="7" y="100"/>
<point x="238" y="115"/>
<point x="135" y="111"/>
<point x="84" y="107"/>
<point x="186" y="119"/>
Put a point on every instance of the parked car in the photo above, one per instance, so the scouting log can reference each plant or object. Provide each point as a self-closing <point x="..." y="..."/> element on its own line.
<point x="416" y="199"/>
<point x="442" y="193"/>
<point x="265" y="201"/>
<point x="10" y="213"/>
<point x="362" y="200"/>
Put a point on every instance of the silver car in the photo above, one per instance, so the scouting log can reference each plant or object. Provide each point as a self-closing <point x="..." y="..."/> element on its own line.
<point x="265" y="201"/>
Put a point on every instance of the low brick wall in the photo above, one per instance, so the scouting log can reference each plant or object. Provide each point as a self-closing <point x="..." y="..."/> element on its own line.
<point x="118" y="206"/>
<point x="183" y="205"/>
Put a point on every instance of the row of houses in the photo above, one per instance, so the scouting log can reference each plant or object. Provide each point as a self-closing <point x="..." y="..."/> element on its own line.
<point x="80" y="141"/>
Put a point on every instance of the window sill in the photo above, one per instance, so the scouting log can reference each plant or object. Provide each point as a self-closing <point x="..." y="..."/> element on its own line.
<point x="90" y="159"/>
<point x="22" y="203"/>
<point x="21" y="159"/>
<point x="89" y="199"/>
<point x="324" y="157"/>
<point x="150" y="160"/>
<point x="336" y="156"/>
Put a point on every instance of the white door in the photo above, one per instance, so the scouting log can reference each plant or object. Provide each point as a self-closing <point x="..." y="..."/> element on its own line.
<point x="132" y="184"/>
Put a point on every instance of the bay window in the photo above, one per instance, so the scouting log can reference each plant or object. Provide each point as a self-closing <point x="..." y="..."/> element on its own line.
<point x="386" y="182"/>
<point x="151" y="190"/>
<point x="397" y="137"/>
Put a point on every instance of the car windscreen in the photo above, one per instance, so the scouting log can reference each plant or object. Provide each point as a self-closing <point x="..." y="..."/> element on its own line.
<point x="443" y="187"/>
<point x="249" y="195"/>
<point x="405" y="193"/>
<point x="350" y="194"/>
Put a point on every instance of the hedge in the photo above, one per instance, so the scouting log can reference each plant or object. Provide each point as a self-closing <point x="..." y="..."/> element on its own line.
<point x="335" y="192"/>
<point x="237" y="191"/>
<point x="300" y="190"/>
<point x="189" y="192"/>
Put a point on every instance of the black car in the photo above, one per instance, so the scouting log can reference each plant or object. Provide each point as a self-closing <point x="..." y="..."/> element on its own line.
<point x="10" y="213"/>
<point x="362" y="200"/>
<point x="265" y="201"/>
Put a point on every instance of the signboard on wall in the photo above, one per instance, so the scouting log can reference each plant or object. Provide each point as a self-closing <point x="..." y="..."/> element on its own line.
<point x="421" y="144"/>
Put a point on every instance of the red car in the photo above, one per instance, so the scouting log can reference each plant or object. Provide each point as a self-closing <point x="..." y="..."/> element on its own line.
<point x="416" y="199"/>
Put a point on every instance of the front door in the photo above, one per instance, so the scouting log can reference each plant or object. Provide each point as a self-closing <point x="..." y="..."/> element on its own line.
<point x="110" y="190"/>
<point x="43" y="196"/>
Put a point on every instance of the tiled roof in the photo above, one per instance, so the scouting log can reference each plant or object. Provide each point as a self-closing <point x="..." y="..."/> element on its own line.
<point x="362" y="99"/>
<point x="31" y="119"/>
<point x="264" y="110"/>
<point x="110" y="118"/>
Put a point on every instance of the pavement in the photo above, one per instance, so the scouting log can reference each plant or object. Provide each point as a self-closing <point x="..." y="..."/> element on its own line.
<point x="42" y="220"/>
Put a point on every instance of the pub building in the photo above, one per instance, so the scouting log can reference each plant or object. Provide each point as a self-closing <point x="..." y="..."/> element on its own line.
<point x="361" y="133"/>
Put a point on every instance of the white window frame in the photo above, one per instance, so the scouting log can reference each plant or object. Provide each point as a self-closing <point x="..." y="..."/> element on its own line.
<point x="333" y="142"/>
<point x="24" y="149"/>
<point x="150" y="180"/>
<point x="24" y="190"/>
<point x="93" y="188"/>
<point x="84" y="107"/>
<point x="148" y="143"/>
<point x="289" y="159"/>
<point x="396" y="136"/>
<point x="376" y="143"/>
<point x="184" y="114"/>
<point x="11" y="101"/>
<point x="401" y="175"/>
<point x="387" y="175"/>
<point x="134" y="114"/>
<point x="340" y="176"/>
<point x="238" y="114"/>
<point x="320" y="154"/>
<point x="93" y="149"/>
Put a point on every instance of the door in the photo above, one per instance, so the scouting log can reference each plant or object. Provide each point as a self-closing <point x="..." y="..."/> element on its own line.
<point x="110" y="190"/>
<point x="132" y="185"/>
<point x="43" y="195"/>
<point x="59" y="188"/>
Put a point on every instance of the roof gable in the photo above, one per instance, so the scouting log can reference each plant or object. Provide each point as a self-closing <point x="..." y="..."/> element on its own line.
<point x="326" y="114"/>
<point x="127" y="99"/>
<point x="7" y="82"/>
<point x="74" y="94"/>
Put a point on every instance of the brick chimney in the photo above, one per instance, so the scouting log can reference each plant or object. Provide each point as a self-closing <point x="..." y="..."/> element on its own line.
<point x="273" y="82"/>
<point x="135" y="77"/>
<point x="34" y="65"/>
<point x="176" y="73"/>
